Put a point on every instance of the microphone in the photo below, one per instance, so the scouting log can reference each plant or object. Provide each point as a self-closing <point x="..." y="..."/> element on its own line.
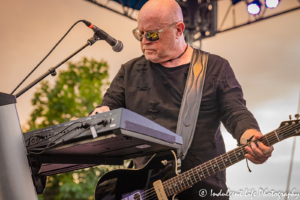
<point x="117" y="45"/>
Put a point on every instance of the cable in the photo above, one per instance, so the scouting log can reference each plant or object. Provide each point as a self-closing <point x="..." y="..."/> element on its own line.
<point x="45" y="57"/>
<point x="83" y="125"/>
<point x="54" y="144"/>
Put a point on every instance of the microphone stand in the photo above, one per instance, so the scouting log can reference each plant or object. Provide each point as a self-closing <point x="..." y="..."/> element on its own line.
<point x="52" y="71"/>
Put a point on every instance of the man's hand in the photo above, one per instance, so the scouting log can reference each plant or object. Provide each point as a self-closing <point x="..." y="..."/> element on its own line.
<point x="257" y="155"/>
<point x="101" y="109"/>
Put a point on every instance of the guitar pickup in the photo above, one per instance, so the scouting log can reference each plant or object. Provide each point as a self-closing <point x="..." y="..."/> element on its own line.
<point x="159" y="190"/>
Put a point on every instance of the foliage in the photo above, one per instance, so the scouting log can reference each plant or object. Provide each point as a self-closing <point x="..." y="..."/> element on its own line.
<point x="74" y="94"/>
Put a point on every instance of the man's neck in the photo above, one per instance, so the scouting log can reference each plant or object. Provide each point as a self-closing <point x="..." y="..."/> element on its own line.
<point x="184" y="59"/>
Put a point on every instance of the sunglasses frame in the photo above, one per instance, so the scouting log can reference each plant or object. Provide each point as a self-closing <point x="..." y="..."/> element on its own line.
<point x="158" y="32"/>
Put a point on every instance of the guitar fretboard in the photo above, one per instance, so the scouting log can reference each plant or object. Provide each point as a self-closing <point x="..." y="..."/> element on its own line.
<point x="185" y="180"/>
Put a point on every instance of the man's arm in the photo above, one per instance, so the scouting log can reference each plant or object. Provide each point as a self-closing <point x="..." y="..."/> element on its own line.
<point x="114" y="96"/>
<point x="237" y="119"/>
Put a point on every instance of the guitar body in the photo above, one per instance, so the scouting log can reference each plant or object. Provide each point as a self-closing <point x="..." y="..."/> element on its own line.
<point x="137" y="184"/>
<point x="130" y="184"/>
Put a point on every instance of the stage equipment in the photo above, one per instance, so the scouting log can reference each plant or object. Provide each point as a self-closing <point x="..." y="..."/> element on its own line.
<point x="116" y="45"/>
<point x="15" y="174"/>
<point x="99" y="35"/>
<point x="272" y="3"/>
<point x="254" y="7"/>
<point x="292" y="156"/>
<point x="201" y="29"/>
<point x="38" y="180"/>
<point x="52" y="70"/>
<point x="45" y="56"/>
<point x="158" y="178"/>
<point x="107" y="138"/>
<point x="200" y="19"/>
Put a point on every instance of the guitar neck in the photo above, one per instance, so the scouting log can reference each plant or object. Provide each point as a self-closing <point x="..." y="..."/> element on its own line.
<point x="185" y="180"/>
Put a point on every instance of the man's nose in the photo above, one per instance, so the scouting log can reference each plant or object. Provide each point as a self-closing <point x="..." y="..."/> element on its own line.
<point x="144" y="40"/>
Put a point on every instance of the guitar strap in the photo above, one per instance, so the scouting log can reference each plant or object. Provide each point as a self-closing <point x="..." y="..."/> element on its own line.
<point x="190" y="106"/>
<point x="191" y="100"/>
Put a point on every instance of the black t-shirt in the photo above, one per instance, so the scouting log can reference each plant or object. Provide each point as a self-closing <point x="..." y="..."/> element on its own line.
<point x="155" y="92"/>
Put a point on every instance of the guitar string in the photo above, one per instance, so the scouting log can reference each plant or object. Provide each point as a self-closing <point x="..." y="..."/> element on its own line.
<point x="183" y="180"/>
<point x="196" y="171"/>
<point x="152" y="193"/>
<point x="272" y="138"/>
<point x="264" y="139"/>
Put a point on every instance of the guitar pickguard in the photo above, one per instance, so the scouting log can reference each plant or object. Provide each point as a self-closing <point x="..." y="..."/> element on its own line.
<point x="135" y="195"/>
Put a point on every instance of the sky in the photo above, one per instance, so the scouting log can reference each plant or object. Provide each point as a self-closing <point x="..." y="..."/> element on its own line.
<point x="265" y="57"/>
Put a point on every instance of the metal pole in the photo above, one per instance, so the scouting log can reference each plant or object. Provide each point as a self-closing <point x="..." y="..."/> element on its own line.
<point x="291" y="168"/>
<point x="15" y="175"/>
<point x="52" y="69"/>
<point x="292" y="159"/>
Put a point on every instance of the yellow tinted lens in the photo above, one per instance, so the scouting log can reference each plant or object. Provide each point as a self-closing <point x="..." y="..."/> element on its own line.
<point x="152" y="36"/>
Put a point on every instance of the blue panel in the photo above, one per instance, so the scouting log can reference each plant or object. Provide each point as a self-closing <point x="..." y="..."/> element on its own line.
<point x="135" y="4"/>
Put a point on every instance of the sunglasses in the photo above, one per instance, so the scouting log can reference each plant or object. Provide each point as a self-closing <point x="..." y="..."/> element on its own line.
<point x="151" y="36"/>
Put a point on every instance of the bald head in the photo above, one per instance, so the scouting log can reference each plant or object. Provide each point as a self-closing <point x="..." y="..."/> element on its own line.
<point x="165" y="16"/>
<point x="161" y="11"/>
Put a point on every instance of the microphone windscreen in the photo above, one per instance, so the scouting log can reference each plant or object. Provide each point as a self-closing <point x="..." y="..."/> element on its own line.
<point x="118" y="47"/>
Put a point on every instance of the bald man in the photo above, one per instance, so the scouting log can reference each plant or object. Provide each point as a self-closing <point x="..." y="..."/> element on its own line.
<point x="153" y="84"/>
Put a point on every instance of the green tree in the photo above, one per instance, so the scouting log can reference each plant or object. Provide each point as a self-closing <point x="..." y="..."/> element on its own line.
<point x="74" y="94"/>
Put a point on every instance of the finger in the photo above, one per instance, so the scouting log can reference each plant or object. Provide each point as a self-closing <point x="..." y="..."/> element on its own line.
<point x="261" y="156"/>
<point x="272" y="149"/>
<point x="256" y="150"/>
<point x="257" y="155"/>
<point x="265" y="150"/>
<point x="249" y="157"/>
<point x="258" y="160"/>
<point x="105" y="109"/>
<point x="99" y="110"/>
<point x="250" y="152"/>
<point x="257" y="136"/>
<point x="96" y="111"/>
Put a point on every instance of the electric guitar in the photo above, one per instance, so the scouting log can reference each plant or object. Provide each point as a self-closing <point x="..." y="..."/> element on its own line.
<point x="158" y="179"/>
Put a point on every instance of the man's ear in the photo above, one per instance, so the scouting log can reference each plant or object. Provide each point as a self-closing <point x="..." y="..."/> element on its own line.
<point x="180" y="28"/>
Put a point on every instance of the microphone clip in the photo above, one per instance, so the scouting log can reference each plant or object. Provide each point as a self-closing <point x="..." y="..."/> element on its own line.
<point x="93" y="39"/>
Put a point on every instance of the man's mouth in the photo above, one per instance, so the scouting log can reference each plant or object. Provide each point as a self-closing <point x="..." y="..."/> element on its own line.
<point x="149" y="50"/>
